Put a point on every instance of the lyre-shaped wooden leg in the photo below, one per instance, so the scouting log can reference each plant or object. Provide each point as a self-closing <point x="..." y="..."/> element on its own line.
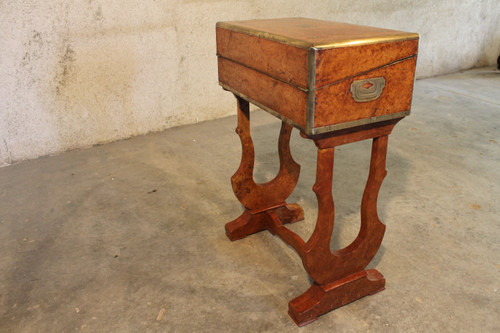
<point x="261" y="198"/>
<point x="339" y="276"/>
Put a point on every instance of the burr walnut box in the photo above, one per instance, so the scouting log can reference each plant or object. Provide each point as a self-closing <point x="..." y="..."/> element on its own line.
<point x="319" y="76"/>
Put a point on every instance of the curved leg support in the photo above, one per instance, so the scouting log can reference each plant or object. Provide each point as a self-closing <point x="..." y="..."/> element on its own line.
<point x="261" y="198"/>
<point x="258" y="197"/>
<point x="323" y="265"/>
<point x="339" y="277"/>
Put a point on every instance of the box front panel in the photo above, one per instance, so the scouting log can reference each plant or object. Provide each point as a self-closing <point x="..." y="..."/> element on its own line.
<point x="264" y="90"/>
<point x="337" y="103"/>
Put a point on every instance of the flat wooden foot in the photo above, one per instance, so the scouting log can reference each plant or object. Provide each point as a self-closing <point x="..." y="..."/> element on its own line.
<point x="248" y="223"/>
<point x="319" y="300"/>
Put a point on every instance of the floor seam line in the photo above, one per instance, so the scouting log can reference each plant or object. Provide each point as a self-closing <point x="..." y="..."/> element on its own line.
<point x="465" y="95"/>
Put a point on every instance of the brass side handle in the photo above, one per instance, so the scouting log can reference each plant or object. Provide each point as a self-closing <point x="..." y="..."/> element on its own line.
<point x="367" y="90"/>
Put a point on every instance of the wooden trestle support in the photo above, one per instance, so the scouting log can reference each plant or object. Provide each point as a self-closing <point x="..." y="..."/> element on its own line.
<point x="339" y="276"/>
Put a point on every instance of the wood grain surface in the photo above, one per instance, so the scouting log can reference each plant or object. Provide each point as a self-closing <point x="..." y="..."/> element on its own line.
<point x="334" y="104"/>
<point x="338" y="63"/>
<point x="285" y="99"/>
<point x="284" y="62"/>
<point x="267" y="61"/>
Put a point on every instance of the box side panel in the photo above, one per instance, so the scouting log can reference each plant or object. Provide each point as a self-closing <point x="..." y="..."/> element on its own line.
<point x="281" y="61"/>
<point x="335" y="103"/>
<point x="287" y="100"/>
<point x="336" y="64"/>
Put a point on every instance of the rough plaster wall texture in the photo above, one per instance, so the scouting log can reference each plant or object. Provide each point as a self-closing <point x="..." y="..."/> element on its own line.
<point x="82" y="72"/>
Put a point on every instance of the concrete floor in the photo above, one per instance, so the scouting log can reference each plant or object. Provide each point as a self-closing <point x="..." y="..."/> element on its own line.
<point x="129" y="236"/>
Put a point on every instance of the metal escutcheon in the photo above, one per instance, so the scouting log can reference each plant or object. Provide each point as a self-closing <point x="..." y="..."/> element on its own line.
<point x="367" y="90"/>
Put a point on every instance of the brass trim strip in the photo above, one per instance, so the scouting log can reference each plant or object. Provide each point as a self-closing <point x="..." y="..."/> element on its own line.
<point x="414" y="78"/>
<point x="320" y="46"/>
<point x="367" y="41"/>
<point x="355" y="123"/>
<point x="311" y="88"/>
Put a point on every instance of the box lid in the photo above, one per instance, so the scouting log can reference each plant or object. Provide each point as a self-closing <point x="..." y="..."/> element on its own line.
<point x="306" y="33"/>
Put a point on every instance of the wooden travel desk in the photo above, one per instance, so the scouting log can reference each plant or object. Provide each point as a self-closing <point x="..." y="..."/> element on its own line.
<point x="336" y="83"/>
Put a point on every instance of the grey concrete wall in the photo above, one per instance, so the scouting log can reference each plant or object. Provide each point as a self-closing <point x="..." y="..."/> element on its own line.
<point x="82" y="72"/>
